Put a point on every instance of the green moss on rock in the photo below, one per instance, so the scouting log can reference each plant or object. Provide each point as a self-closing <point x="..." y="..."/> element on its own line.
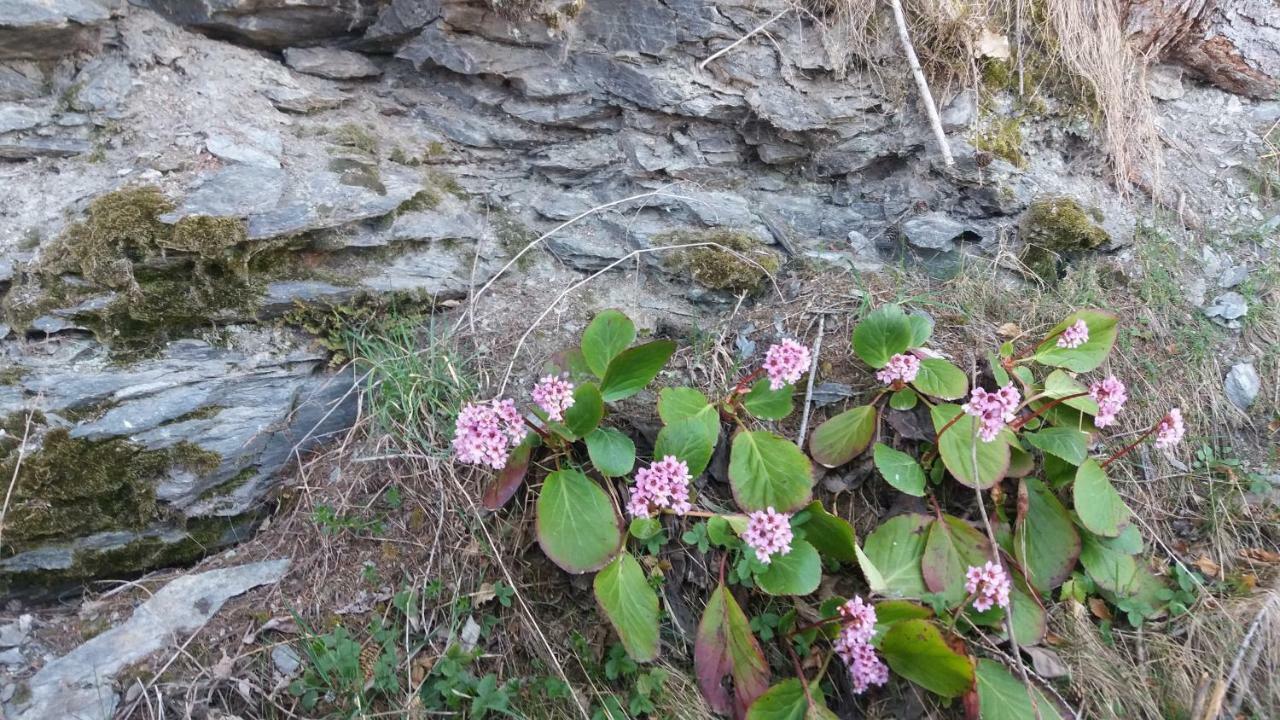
<point x="73" y="487"/>
<point x="740" y="264"/>
<point x="1057" y="230"/>
<point x="119" y="229"/>
<point x="206" y="236"/>
<point x="1002" y="137"/>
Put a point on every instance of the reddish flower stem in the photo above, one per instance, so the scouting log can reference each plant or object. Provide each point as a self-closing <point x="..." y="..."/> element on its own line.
<point x="1129" y="448"/>
<point x="1020" y="422"/>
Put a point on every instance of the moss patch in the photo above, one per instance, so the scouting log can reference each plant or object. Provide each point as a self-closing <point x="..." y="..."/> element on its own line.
<point x="170" y="279"/>
<point x="355" y="137"/>
<point x="741" y="266"/>
<point x="73" y="487"/>
<point x="1057" y="230"/>
<point x="1002" y="137"/>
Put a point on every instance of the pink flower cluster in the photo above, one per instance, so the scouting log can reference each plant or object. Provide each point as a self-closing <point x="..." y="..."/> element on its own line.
<point x="1170" y="430"/>
<point x="1110" y="395"/>
<point x="989" y="585"/>
<point x="1074" y="336"/>
<point x="993" y="409"/>
<point x="554" y="395"/>
<point x="900" y="368"/>
<point x="768" y="533"/>
<point x="865" y="666"/>
<point x="859" y="619"/>
<point x="785" y="362"/>
<point x="486" y="432"/>
<point x="664" y="484"/>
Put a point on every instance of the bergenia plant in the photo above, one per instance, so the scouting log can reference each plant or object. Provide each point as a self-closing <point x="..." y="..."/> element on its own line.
<point x="1016" y="451"/>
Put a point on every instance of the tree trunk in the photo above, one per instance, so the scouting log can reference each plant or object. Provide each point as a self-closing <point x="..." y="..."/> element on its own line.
<point x="1234" y="44"/>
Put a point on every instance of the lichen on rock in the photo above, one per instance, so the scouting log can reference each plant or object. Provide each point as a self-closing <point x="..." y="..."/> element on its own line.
<point x="1056" y="230"/>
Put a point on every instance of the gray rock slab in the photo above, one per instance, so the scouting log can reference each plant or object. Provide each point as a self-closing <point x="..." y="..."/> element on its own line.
<point x="20" y="117"/>
<point x="80" y="683"/>
<point x="933" y="231"/>
<point x="272" y="24"/>
<point x="302" y="102"/>
<point x="331" y="63"/>
<point x="1227" y="306"/>
<point x="1242" y="385"/>
<point x="48" y="29"/>
<point x="38" y="147"/>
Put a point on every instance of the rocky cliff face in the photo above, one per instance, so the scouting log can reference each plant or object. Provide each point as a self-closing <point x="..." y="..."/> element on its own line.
<point x="175" y="184"/>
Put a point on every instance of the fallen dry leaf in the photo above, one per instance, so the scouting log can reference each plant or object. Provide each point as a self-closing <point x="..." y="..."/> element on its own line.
<point x="1208" y="567"/>
<point x="1260" y="555"/>
<point x="1099" y="609"/>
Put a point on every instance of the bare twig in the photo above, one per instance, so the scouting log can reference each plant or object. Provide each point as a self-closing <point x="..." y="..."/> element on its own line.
<point x="633" y="254"/>
<point x="13" y="481"/>
<point x="995" y="548"/>
<point x="808" y="391"/>
<point x="703" y="65"/>
<point x="475" y="298"/>
<point x="922" y="84"/>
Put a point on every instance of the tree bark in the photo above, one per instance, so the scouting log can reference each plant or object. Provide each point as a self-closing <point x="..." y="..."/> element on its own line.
<point x="1233" y="44"/>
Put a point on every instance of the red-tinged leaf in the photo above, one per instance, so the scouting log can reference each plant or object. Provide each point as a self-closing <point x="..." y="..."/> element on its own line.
<point x="504" y="485"/>
<point x="725" y="648"/>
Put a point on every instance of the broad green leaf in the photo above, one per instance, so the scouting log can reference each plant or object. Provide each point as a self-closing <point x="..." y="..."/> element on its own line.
<point x="723" y="530"/>
<point x="690" y="440"/>
<point x="577" y="524"/>
<point x="921" y="329"/>
<point x="903" y="399"/>
<point x="634" y="368"/>
<point x="678" y="403"/>
<point x="768" y="404"/>
<point x="1045" y="541"/>
<point x="831" y="535"/>
<point x="941" y="379"/>
<point x="769" y="471"/>
<point x="843" y="437"/>
<point x="586" y="412"/>
<point x="956" y="445"/>
<point x="916" y="650"/>
<point x="895" y="549"/>
<point x="796" y="573"/>
<point x="511" y="477"/>
<point x="726" y="648"/>
<point x="608" y="334"/>
<point x="899" y="469"/>
<point x="1112" y="567"/>
<point x="1059" y="384"/>
<point x="1067" y="443"/>
<point x="1001" y="696"/>
<point x="889" y="612"/>
<point x="1101" y="509"/>
<point x="1102" y="335"/>
<point x="612" y="453"/>
<point x="875" y="580"/>
<point x="787" y="701"/>
<point x="1021" y="463"/>
<point x="631" y="605"/>
<point x="643" y="528"/>
<point x="1058" y="473"/>
<point x="952" y="548"/>
<point x="885" y="332"/>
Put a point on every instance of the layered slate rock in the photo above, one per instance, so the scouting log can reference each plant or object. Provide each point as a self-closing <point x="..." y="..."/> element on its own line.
<point x="273" y="24"/>
<point x="48" y="29"/>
